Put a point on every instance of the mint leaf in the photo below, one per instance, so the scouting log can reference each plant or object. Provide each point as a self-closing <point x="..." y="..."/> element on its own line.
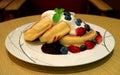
<point x="60" y="11"/>
<point x="56" y="10"/>
<point x="56" y="17"/>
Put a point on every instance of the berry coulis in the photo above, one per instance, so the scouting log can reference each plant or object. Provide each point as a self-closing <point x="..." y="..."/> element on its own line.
<point x="53" y="48"/>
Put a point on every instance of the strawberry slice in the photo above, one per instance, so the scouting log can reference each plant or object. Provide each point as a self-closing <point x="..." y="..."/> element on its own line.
<point x="73" y="49"/>
<point x="89" y="44"/>
<point x="98" y="39"/>
<point x="80" y="31"/>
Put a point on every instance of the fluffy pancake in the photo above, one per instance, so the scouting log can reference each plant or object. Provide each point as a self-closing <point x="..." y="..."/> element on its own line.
<point x="38" y="29"/>
<point x="55" y="33"/>
<point x="77" y="40"/>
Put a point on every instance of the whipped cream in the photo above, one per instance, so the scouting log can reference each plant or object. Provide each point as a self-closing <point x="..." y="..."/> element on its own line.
<point x="72" y="24"/>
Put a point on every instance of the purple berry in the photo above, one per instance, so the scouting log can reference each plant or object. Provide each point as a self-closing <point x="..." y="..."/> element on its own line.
<point x="78" y="22"/>
<point x="87" y="27"/>
<point x="67" y="17"/>
<point x="67" y="13"/>
<point x="94" y="41"/>
<point x="82" y="47"/>
<point x="64" y="50"/>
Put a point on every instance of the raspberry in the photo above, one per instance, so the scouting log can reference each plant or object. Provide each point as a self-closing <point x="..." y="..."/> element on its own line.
<point x="73" y="49"/>
<point x="98" y="33"/>
<point x="80" y="31"/>
<point x="98" y="39"/>
<point x="89" y="44"/>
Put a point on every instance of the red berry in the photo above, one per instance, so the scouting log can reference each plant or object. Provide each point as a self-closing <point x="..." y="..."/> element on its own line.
<point x="73" y="49"/>
<point x="80" y="31"/>
<point x="89" y="44"/>
<point x="98" y="39"/>
<point x="98" y="33"/>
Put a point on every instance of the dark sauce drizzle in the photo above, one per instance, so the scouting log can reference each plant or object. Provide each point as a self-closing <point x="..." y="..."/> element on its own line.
<point x="53" y="48"/>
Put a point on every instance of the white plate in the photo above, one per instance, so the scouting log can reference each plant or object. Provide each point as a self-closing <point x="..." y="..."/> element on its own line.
<point x="31" y="52"/>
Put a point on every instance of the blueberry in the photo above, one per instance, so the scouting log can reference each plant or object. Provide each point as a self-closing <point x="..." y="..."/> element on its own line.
<point x="64" y="50"/>
<point x="94" y="41"/>
<point x="67" y="17"/>
<point x="67" y="13"/>
<point x="78" y="22"/>
<point x="82" y="47"/>
<point x="87" y="27"/>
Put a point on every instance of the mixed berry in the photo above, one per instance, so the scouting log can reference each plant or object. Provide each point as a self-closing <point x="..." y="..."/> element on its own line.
<point x="57" y="48"/>
<point x="82" y="30"/>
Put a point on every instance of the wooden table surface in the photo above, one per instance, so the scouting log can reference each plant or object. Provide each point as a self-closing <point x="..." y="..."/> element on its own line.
<point x="110" y="65"/>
